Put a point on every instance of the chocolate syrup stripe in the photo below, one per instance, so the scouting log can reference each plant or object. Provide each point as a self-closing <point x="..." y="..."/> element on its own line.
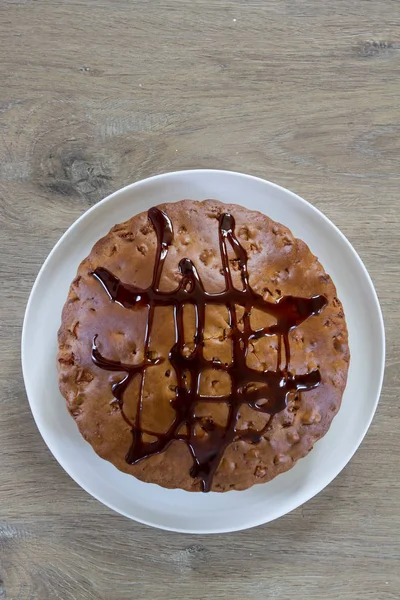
<point x="263" y="391"/>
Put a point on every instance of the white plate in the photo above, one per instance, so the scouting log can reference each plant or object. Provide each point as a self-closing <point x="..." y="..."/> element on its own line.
<point x="174" y="509"/>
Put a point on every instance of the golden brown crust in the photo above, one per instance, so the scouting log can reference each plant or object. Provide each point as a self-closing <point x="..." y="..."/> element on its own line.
<point x="279" y="265"/>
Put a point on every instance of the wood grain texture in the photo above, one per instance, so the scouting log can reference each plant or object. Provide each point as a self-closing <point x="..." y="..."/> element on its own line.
<point x="97" y="94"/>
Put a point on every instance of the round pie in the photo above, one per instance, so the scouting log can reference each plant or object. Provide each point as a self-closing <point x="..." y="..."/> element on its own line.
<point x="202" y="347"/>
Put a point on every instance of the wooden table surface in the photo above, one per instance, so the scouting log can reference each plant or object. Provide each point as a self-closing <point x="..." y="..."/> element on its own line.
<point x="97" y="94"/>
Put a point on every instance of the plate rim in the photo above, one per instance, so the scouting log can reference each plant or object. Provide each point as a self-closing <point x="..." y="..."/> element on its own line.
<point x="187" y="173"/>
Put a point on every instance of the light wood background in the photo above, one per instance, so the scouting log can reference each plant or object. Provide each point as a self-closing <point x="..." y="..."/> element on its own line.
<point x="97" y="94"/>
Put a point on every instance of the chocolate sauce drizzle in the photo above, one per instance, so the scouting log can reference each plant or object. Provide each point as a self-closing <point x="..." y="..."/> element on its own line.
<point x="264" y="391"/>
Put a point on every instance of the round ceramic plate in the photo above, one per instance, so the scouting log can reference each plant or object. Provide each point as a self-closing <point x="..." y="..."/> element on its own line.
<point x="177" y="510"/>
